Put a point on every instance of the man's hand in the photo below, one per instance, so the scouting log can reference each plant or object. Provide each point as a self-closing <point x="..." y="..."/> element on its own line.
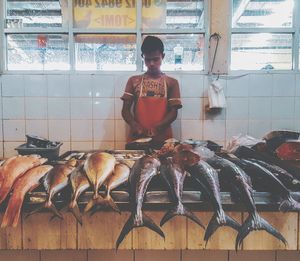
<point x="137" y="130"/>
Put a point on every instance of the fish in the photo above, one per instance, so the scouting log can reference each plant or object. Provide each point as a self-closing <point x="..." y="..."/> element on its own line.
<point x="120" y="176"/>
<point x="267" y="181"/>
<point x="241" y="185"/>
<point x="79" y="183"/>
<point x="174" y="175"/>
<point x="142" y="172"/>
<point x="290" y="150"/>
<point x="14" y="168"/>
<point x="26" y="183"/>
<point x="98" y="167"/>
<point x="207" y="179"/>
<point x="284" y="176"/>
<point x="55" y="181"/>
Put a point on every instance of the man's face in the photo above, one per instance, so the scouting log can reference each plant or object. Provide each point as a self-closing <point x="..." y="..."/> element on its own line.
<point x="153" y="61"/>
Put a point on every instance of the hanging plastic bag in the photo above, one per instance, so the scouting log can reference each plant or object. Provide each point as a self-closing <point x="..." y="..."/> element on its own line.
<point x="216" y="97"/>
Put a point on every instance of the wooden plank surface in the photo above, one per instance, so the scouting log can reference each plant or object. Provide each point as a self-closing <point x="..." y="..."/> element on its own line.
<point x="11" y="238"/>
<point x="223" y="238"/>
<point x="285" y="223"/>
<point x="174" y="230"/>
<point x="101" y="231"/>
<point x="144" y="238"/>
<point x="41" y="233"/>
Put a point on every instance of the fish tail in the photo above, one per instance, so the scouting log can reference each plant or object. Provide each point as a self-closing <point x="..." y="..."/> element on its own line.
<point x="12" y="212"/>
<point x="38" y="209"/>
<point x="129" y="225"/>
<point x="180" y="210"/>
<point x="132" y="223"/>
<point x="255" y="222"/>
<point x="219" y="219"/>
<point x="289" y="204"/>
<point x="107" y="202"/>
<point x="93" y="202"/>
<point x="148" y="222"/>
<point x="49" y="205"/>
<point x="75" y="211"/>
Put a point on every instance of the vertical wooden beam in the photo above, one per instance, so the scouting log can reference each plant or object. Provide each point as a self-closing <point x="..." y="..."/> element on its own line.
<point x="285" y="223"/>
<point x="41" y="233"/>
<point x="220" y="23"/>
<point x="223" y="238"/>
<point x="11" y="238"/>
<point x="101" y="231"/>
<point x="174" y="230"/>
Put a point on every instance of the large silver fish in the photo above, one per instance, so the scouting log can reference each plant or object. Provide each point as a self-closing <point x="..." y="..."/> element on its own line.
<point x="140" y="176"/>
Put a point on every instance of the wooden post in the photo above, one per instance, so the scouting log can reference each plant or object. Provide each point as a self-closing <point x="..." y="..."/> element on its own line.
<point x="11" y="238"/>
<point x="41" y="233"/>
<point x="285" y="223"/>
<point x="223" y="238"/>
<point x="101" y="231"/>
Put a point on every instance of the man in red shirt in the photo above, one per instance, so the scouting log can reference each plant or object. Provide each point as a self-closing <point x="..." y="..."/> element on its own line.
<point x="155" y="97"/>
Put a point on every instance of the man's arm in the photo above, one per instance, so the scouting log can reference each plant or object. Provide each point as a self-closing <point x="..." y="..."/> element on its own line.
<point x="136" y="128"/>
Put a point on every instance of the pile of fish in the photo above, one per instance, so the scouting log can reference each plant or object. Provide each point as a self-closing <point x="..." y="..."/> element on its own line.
<point x="241" y="174"/>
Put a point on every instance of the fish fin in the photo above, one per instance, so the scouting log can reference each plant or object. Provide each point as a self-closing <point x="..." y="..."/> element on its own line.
<point x="129" y="225"/>
<point x="255" y="222"/>
<point x="12" y="212"/>
<point x="49" y="205"/>
<point x="93" y="202"/>
<point x="76" y="212"/>
<point x="39" y="208"/>
<point x="108" y="201"/>
<point x="180" y="210"/>
<point x="149" y="223"/>
<point x="215" y="222"/>
<point x="289" y="204"/>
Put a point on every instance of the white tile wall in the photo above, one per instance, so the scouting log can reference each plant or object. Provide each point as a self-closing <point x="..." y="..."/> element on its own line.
<point x="59" y="108"/>
<point x="13" y="108"/>
<point x="104" y="108"/>
<point x="260" y="85"/>
<point x="85" y="110"/>
<point x="284" y="85"/>
<point x="35" y="85"/>
<point x="81" y="86"/>
<point x="13" y="85"/>
<point x="58" y="85"/>
<point x="81" y="108"/>
<point x="36" y="108"/>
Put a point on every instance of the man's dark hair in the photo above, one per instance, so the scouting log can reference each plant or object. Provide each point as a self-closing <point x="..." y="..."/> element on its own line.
<point x="152" y="44"/>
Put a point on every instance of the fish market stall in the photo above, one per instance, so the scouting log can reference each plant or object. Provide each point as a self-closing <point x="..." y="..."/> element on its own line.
<point x="60" y="226"/>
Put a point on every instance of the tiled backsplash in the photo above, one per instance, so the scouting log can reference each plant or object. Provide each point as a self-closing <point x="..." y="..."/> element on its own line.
<point x="83" y="110"/>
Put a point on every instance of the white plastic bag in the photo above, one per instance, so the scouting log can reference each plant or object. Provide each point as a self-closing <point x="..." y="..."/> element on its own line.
<point x="216" y="95"/>
<point x="241" y="140"/>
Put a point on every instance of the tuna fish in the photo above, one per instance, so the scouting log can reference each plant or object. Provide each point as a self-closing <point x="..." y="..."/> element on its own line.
<point x="140" y="176"/>
<point x="26" y="183"/>
<point x="240" y="183"/>
<point x="268" y="182"/>
<point x="174" y="175"/>
<point x="207" y="179"/>
<point x="285" y="177"/>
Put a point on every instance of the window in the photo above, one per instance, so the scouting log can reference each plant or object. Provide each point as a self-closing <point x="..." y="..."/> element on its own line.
<point x="98" y="35"/>
<point x="263" y="35"/>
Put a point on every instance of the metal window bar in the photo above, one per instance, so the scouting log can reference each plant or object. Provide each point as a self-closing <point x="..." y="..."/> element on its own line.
<point x="71" y="31"/>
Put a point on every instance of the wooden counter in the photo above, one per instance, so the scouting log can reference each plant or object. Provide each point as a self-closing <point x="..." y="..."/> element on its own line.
<point x="101" y="230"/>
